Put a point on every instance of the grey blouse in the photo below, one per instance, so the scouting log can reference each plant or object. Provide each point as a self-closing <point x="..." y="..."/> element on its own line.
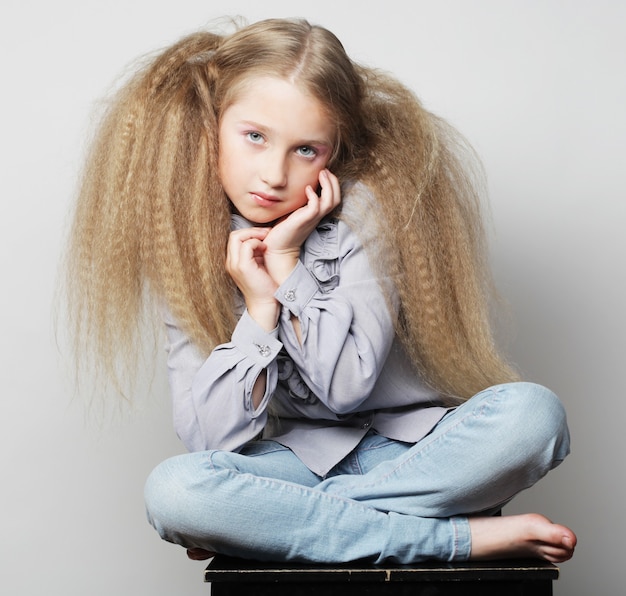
<point x="348" y="375"/>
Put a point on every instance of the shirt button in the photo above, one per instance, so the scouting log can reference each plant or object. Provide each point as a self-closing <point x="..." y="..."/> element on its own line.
<point x="366" y="425"/>
<point x="264" y="350"/>
<point x="290" y="295"/>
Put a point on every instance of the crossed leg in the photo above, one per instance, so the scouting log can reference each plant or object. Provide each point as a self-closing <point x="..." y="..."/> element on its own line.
<point x="466" y="465"/>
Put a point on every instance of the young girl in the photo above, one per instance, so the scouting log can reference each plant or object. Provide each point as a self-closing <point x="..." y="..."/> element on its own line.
<point x="312" y="239"/>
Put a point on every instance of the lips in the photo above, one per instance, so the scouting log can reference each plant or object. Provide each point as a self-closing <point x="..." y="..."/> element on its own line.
<point x="264" y="200"/>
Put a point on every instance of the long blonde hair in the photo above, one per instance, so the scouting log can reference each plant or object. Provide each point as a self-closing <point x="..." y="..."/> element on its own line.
<point x="152" y="220"/>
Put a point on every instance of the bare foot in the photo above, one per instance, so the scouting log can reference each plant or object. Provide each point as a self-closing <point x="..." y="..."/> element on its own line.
<point x="199" y="554"/>
<point x="529" y="535"/>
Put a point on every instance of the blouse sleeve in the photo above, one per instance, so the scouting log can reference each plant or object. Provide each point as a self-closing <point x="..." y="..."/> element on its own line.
<point x="212" y="397"/>
<point x="347" y="329"/>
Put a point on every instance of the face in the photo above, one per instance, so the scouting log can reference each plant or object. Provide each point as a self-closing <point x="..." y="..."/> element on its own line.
<point x="273" y="142"/>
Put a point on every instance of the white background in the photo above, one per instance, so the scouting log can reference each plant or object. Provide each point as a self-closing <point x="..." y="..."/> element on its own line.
<point x="538" y="86"/>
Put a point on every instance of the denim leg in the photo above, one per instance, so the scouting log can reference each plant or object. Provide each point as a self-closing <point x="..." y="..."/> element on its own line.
<point x="475" y="460"/>
<point x="230" y="503"/>
<point x="265" y="504"/>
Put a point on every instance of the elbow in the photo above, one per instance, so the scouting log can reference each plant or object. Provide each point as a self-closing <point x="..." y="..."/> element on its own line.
<point x="346" y="397"/>
<point x="190" y="437"/>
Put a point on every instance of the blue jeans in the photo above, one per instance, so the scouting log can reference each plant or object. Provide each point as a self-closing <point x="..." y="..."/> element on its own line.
<point x="386" y="501"/>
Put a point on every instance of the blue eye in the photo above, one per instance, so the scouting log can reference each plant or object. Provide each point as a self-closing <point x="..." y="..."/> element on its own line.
<point x="255" y="137"/>
<point x="307" y="151"/>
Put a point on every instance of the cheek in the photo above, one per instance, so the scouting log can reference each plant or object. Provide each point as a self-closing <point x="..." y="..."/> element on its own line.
<point x="222" y="174"/>
<point x="224" y="166"/>
<point x="314" y="180"/>
<point x="224" y="157"/>
<point x="299" y="188"/>
<point x="310" y="174"/>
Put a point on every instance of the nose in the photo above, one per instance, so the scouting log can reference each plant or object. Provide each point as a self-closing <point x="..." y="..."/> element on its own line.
<point x="274" y="169"/>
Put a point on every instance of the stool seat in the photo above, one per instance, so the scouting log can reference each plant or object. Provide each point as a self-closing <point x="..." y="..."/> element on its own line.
<point x="519" y="577"/>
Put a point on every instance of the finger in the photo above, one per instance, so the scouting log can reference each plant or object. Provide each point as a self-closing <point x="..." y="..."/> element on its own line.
<point x="252" y="248"/>
<point x="331" y="191"/>
<point x="313" y="197"/>
<point x="248" y="233"/>
<point x="247" y="251"/>
<point x="239" y="237"/>
<point x="241" y="251"/>
<point x="336" y="187"/>
<point x="328" y="190"/>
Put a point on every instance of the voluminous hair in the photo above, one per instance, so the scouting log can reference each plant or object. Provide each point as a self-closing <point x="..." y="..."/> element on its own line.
<point x="152" y="220"/>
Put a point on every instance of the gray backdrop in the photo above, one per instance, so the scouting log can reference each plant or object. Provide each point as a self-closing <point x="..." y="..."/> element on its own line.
<point x="538" y="86"/>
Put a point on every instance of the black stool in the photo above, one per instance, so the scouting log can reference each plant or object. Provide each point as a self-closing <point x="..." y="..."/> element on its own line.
<point x="238" y="577"/>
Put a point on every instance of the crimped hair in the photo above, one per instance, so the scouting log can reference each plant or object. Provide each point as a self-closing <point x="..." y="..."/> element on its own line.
<point x="152" y="220"/>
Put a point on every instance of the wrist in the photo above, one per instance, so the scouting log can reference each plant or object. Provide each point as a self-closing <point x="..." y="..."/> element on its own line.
<point x="280" y="265"/>
<point x="265" y="314"/>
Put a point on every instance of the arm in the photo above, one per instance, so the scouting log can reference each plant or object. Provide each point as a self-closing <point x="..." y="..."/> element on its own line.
<point x="245" y="263"/>
<point x="230" y="417"/>
<point x="338" y="338"/>
<point x="283" y="243"/>
<point x="345" y="330"/>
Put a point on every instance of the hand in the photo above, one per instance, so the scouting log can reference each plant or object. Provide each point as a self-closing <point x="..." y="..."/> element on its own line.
<point x="284" y="240"/>
<point x="245" y="263"/>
